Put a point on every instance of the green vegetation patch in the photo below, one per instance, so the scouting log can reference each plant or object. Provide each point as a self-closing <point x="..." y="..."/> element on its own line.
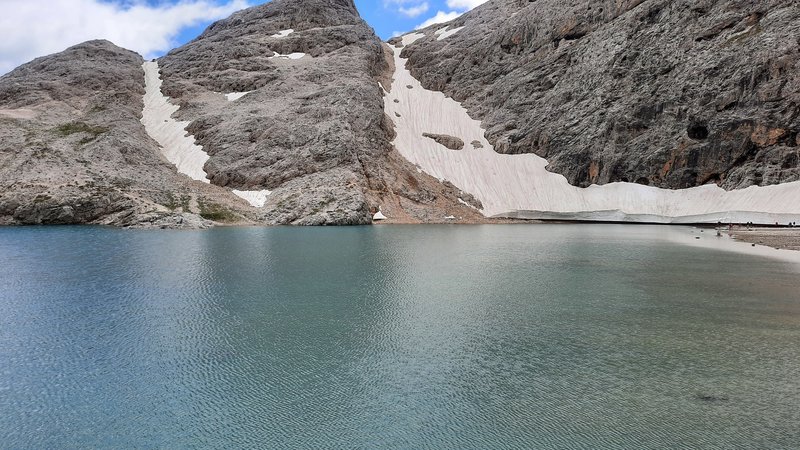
<point x="71" y="128"/>
<point x="174" y="202"/>
<point x="41" y="198"/>
<point x="217" y="213"/>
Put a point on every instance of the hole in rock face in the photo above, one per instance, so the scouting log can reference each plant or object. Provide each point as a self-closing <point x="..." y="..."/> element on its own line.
<point x="791" y="161"/>
<point x="714" y="178"/>
<point x="792" y="139"/>
<point x="697" y="131"/>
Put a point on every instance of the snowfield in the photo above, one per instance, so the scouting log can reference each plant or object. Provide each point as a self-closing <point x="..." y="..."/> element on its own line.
<point x="520" y="186"/>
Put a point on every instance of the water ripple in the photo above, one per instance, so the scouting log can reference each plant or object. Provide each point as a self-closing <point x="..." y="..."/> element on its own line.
<point x="393" y="337"/>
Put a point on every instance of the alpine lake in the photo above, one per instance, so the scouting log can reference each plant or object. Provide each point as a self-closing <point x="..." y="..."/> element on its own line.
<point x="456" y="337"/>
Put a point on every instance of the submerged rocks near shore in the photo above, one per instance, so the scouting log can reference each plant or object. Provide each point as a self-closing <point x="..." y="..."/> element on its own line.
<point x="779" y="238"/>
<point x="287" y="103"/>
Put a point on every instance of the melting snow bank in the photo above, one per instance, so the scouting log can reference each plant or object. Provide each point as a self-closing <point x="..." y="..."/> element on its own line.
<point x="233" y="96"/>
<point x="445" y="32"/>
<point x="520" y="186"/>
<point x="255" y="198"/>
<point x="176" y="144"/>
<point x="407" y="40"/>
<point x="619" y="216"/>
<point x="283" y="33"/>
<point x="289" y="56"/>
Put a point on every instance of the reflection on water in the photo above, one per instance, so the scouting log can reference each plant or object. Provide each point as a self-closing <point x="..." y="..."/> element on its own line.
<point x="403" y="337"/>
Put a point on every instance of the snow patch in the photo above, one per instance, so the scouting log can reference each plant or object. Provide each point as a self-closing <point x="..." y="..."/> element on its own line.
<point x="20" y="113"/>
<point x="520" y="186"/>
<point x="409" y="39"/>
<point x="283" y="33"/>
<point x="289" y="56"/>
<point x="176" y="144"/>
<point x="742" y="33"/>
<point x="445" y="32"/>
<point x="256" y="198"/>
<point x="461" y="200"/>
<point x="233" y="96"/>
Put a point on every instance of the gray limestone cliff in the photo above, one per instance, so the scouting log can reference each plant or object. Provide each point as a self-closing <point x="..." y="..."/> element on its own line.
<point x="311" y="127"/>
<point x="73" y="150"/>
<point x="669" y="93"/>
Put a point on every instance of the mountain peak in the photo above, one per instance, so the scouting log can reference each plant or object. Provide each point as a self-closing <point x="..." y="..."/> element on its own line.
<point x="295" y="14"/>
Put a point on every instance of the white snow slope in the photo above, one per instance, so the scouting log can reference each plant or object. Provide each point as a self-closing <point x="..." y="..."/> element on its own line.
<point x="177" y="145"/>
<point x="520" y="186"/>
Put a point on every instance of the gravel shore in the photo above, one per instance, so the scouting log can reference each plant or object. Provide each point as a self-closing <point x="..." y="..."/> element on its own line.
<point x="782" y="238"/>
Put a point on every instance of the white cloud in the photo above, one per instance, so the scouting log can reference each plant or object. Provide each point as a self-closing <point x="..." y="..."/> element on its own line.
<point x="415" y="10"/>
<point x="408" y="8"/>
<point x="440" y="17"/>
<point x="31" y="28"/>
<point x="464" y="5"/>
<point x="457" y="7"/>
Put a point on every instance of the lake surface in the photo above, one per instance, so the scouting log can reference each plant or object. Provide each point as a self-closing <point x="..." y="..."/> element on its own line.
<point x="485" y="337"/>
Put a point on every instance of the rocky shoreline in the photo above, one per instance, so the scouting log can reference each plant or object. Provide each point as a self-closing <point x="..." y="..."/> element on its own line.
<point x="779" y="238"/>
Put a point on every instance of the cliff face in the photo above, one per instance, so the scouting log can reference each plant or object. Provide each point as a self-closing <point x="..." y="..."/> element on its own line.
<point x="286" y="97"/>
<point x="668" y="93"/>
<point x="303" y="118"/>
<point x="297" y="107"/>
<point x="72" y="149"/>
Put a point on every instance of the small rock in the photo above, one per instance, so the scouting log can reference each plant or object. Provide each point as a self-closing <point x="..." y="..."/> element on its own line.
<point x="451" y="142"/>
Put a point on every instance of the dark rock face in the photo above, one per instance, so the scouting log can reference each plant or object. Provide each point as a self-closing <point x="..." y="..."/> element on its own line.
<point x="73" y="150"/>
<point x="670" y="93"/>
<point x="312" y="130"/>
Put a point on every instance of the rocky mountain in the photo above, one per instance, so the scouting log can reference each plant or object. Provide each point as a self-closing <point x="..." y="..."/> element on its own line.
<point x="286" y="97"/>
<point x="283" y="101"/>
<point x="667" y="93"/>
<point x="295" y="112"/>
<point x="73" y="149"/>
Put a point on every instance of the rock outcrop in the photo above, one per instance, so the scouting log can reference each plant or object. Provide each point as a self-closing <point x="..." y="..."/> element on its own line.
<point x="72" y="149"/>
<point x="666" y="93"/>
<point x="451" y="142"/>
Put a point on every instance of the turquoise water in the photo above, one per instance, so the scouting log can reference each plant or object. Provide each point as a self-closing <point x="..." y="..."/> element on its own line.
<point x="486" y="337"/>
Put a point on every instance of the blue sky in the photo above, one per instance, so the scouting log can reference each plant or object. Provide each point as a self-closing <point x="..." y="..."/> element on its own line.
<point x="387" y="17"/>
<point x="32" y="28"/>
